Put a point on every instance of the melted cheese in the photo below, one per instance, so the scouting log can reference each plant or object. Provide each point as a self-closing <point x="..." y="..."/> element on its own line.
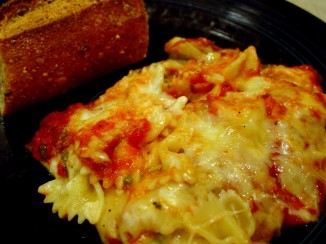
<point x="208" y="146"/>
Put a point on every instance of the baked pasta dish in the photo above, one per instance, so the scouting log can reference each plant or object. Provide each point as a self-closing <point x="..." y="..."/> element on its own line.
<point x="207" y="146"/>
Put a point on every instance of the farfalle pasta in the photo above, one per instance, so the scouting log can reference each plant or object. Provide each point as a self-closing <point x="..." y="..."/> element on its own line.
<point x="207" y="146"/>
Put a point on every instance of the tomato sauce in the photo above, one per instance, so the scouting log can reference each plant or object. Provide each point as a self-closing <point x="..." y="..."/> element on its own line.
<point x="226" y="87"/>
<point x="316" y="114"/>
<point x="52" y="136"/>
<point x="274" y="110"/>
<point x="286" y="196"/>
<point x="292" y="200"/>
<point x="123" y="149"/>
<point x="137" y="132"/>
<point x="322" y="195"/>
<point x="114" y="241"/>
<point x="314" y="76"/>
<point x="62" y="171"/>
<point x="320" y="97"/>
<point x="290" y="219"/>
<point x="199" y="84"/>
<point x="253" y="206"/>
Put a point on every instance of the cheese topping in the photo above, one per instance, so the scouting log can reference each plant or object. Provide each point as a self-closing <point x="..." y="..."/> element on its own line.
<point x="208" y="146"/>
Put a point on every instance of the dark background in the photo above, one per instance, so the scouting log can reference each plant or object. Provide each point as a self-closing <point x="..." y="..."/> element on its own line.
<point x="282" y="34"/>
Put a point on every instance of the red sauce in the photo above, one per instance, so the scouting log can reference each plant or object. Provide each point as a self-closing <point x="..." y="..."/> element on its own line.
<point x="114" y="241"/>
<point x="315" y="113"/>
<point x="202" y="88"/>
<point x="283" y="193"/>
<point x="203" y="42"/>
<point x="253" y="207"/>
<point x="274" y="110"/>
<point x="111" y="145"/>
<point x="290" y="219"/>
<point x="314" y="76"/>
<point x="123" y="149"/>
<point x="274" y="171"/>
<point x="210" y="104"/>
<point x="321" y="98"/>
<point x="199" y="84"/>
<point x="292" y="200"/>
<point x="172" y="72"/>
<point x="118" y="162"/>
<point x="137" y="132"/>
<point x="102" y="127"/>
<point x="145" y="235"/>
<point x="85" y="134"/>
<point x="62" y="171"/>
<point x="306" y="145"/>
<point x="210" y="98"/>
<point x="52" y="137"/>
<point x="289" y="198"/>
<point x="320" y="164"/>
<point x="226" y="87"/>
<point x="312" y="211"/>
<point x="322" y="194"/>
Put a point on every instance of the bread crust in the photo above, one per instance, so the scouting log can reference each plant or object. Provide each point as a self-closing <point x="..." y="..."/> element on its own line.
<point x="41" y="63"/>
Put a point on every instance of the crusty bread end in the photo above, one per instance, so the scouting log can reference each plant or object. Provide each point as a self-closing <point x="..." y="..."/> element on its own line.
<point x="49" y="47"/>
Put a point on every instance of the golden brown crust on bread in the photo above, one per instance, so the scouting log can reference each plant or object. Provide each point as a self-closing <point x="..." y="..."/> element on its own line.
<point x="48" y="60"/>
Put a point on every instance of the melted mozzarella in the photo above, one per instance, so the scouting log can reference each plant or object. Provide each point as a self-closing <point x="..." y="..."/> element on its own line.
<point x="208" y="146"/>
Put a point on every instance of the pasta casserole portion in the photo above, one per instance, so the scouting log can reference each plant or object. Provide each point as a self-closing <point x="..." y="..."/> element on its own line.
<point x="207" y="146"/>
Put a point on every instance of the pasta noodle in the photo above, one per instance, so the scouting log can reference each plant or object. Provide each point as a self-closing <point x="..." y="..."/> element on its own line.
<point x="208" y="146"/>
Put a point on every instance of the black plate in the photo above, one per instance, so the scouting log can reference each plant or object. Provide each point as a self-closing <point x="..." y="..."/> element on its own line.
<point x="281" y="32"/>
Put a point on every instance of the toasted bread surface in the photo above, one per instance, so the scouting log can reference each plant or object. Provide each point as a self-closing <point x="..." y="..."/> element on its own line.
<point x="65" y="45"/>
